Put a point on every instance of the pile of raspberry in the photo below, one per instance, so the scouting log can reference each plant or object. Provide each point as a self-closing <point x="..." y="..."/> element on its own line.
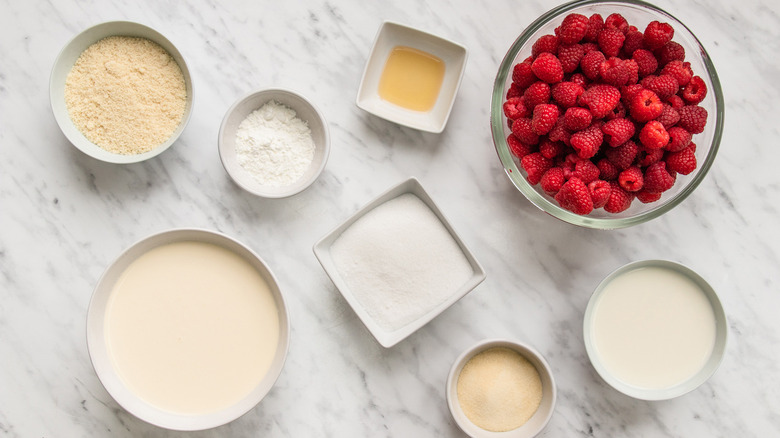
<point x="602" y="113"/>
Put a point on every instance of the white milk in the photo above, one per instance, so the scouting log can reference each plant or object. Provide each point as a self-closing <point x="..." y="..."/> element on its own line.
<point x="191" y="327"/>
<point x="653" y="327"/>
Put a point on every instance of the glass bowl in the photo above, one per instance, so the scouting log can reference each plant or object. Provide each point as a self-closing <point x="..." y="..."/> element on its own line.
<point x="639" y="14"/>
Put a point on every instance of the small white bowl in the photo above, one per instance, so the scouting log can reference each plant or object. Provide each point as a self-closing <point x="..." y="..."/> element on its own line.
<point x="304" y="109"/>
<point x="64" y="63"/>
<point x="102" y="362"/>
<point x="707" y="370"/>
<point x="322" y="250"/>
<point x="391" y="35"/>
<point x="540" y="418"/>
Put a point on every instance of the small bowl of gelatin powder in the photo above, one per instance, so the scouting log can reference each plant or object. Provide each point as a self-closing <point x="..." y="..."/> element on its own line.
<point x="121" y="92"/>
<point x="274" y="143"/>
<point x="501" y="388"/>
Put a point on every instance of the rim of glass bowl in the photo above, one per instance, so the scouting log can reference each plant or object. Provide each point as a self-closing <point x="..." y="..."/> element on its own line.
<point x="515" y="174"/>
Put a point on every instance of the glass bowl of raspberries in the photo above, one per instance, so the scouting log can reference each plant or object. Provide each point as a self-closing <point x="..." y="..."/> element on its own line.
<point x="606" y="114"/>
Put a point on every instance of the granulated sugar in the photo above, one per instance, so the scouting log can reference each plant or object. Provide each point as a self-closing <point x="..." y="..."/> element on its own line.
<point x="399" y="261"/>
<point x="126" y="94"/>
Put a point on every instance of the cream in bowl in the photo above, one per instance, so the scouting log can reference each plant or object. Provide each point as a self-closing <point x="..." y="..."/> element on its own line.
<point x="655" y="330"/>
<point x="187" y="329"/>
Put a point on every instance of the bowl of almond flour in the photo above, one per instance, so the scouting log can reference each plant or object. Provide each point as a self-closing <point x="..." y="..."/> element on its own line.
<point x="121" y="92"/>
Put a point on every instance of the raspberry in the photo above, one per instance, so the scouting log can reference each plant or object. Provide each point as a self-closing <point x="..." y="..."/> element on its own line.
<point x="657" y="178"/>
<point x="669" y="117"/>
<point x="663" y="86"/>
<point x="633" y="71"/>
<point x="573" y="28"/>
<point x="547" y="68"/>
<point x="579" y="79"/>
<point x="536" y="93"/>
<point x="622" y="156"/>
<point x="600" y="99"/>
<point x="645" y="157"/>
<point x="568" y="164"/>
<point x="575" y="197"/>
<point x="657" y="34"/>
<point x="678" y="70"/>
<point x="517" y="147"/>
<point x="522" y="128"/>
<point x="566" y="94"/>
<point x="586" y="171"/>
<point x="552" y="180"/>
<point x="682" y="162"/>
<point x="693" y="118"/>
<point x="559" y="132"/>
<point x="631" y="179"/>
<point x="627" y="92"/>
<point x="679" y="139"/>
<point x="544" y="117"/>
<point x="675" y="102"/>
<point x="618" y="131"/>
<point x="587" y="142"/>
<point x="695" y="91"/>
<point x="550" y="149"/>
<point x="522" y="75"/>
<point x="670" y="52"/>
<point x="595" y="24"/>
<point x="607" y="170"/>
<point x="545" y="43"/>
<point x="514" y="91"/>
<point x="590" y="47"/>
<point x="535" y="165"/>
<point x="644" y="105"/>
<point x="591" y="64"/>
<point x="634" y="41"/>
<point x="599" y="192"/>
<point x="610" y="41"/>
<point x="514" y="108"/>
<point x="646" y="61"/>
<point x="646" y="197"/>
<point x="614" y="71"/>
<point x="653" y="135"/>
<point x="618" y="112"/>
<point x="570" y="56"/>
<point x="575" y="118"/>
<point x="619" y="199"/>
<point x="616" y="21"/>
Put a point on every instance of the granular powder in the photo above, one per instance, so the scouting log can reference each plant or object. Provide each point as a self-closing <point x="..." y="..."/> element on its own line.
<point x="499" y="390"/>
<point x="126" y="94"/>
<point x="274" y="145"/>
<point x="399" y="261"/>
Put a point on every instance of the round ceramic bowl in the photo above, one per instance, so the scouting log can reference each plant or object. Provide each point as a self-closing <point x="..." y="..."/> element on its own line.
<point x="104" y="364"/>
<point x="68" y="56"/>
<point x="639" y="14"/>
<point x="642" y="392"/>
<point x="304" y="109"/>
<point x="540" y="418"/>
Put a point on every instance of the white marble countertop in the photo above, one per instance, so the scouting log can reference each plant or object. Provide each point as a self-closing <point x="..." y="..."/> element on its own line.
<point x="65" y="216"/>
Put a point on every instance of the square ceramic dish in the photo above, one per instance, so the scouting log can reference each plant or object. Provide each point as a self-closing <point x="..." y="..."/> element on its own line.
<point x="391" y="35"/>
<point x="322" y="250"/>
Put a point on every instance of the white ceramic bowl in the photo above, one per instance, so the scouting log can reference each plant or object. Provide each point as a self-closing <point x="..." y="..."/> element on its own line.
<point x="391" y="35"/>
<point x="100" y="356"/>
<point x="709" y="368"/>
<point x="322" y="250"/>
<point x="64" y="63"/>
<point x="304" y="109"/>
<point x="539" y="419"/>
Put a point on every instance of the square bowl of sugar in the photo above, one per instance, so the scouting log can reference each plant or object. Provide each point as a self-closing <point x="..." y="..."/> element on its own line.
<point x="411" y="77"/>
<point x="398" y="262"/>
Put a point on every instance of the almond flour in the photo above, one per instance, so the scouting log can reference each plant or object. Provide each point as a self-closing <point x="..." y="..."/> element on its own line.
<point x="126" y="94"/>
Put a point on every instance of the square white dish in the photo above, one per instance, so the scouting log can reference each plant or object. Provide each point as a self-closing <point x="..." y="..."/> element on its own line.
<point x="388" y="338"/>
<point x="391" y="35"/>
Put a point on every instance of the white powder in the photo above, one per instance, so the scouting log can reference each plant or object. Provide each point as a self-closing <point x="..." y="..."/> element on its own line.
<point x="399" y="261"/>
<point x="274" y="145"/>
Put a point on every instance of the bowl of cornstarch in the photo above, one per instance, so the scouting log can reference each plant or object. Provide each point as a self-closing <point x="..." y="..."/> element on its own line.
<point x="398" y="262"/>
<point x="501" y="388"/>
<point x="274" y="143"/>
<point x="121" y="92"/>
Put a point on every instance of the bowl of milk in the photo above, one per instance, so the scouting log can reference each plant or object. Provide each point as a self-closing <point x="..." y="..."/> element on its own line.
<point x="655" y="330"/>
<point x="188" y="329"/>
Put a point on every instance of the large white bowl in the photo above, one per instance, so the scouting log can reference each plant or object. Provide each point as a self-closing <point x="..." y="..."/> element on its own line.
<point x="64" y="63"/>
<point x="101" y="360"/>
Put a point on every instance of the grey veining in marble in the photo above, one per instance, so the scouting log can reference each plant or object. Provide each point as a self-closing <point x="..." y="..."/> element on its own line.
<point x="65" y="216"/>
